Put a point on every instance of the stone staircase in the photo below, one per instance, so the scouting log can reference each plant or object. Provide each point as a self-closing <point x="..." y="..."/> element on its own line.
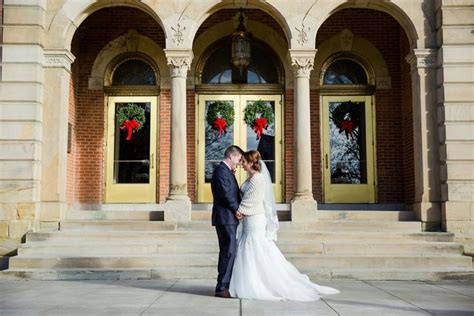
<point x="367" y="245"/>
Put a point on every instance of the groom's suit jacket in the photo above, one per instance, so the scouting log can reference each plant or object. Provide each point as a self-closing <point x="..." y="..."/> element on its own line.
<point x="226" y="193"/>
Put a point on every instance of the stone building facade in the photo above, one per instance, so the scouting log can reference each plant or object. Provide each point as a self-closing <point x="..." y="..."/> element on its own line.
<point x="408" y="65"/>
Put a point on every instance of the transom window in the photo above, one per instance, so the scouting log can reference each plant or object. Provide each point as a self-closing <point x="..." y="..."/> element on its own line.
<point x="345" y="71"/>
<point x="134" y="72"/>
<point x="261" y="70"/>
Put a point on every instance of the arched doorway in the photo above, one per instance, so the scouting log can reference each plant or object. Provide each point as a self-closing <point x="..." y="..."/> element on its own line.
<point x="252" y="93"/>
<point x="116" y="65"/>
<point x="132" y="99"/>
<point x="364" y="60"/>
<point x="347" y="132"/>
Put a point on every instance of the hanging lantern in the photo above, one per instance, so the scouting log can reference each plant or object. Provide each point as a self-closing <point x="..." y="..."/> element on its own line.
<point x="241" y="45"/>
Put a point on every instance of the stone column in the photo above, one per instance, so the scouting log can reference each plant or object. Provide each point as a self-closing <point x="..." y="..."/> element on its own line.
<point x="178" y="204"/>
<point x="425" y="133"/>
<point x="57" y="75"/>
<point x="303" y="206"/>
<point x="455" y="119"/>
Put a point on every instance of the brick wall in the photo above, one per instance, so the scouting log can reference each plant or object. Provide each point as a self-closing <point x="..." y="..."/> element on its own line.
<point x="407" y="123"/>
<point x="89" y="108"/>
<point x="228" y="14"/>
<point x="316" y="145"/>
<point x="386" y="34"/>
<point x="288" y="143"/>
<point x="163" y="180"/>
<point x="393" y="107"/>
<point x="191" y="143"/>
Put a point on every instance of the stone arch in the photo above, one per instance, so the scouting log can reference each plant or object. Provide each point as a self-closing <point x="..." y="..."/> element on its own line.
<point x="266" y="7"/>
<point x="259" y="30"/>
<point x="412" y="22"/>
<point x="119" y="46"/>
<point x="65" y="22"/>
<point x="367" y="53"/>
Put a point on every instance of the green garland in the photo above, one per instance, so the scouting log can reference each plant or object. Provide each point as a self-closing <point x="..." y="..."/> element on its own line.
<point x="129" y="112"/>
<point x="250" y="112"/>
<point x="220" y="109"/>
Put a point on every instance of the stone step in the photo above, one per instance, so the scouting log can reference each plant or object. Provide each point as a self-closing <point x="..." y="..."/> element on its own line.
<point x="351" y="215"/>
<point x="205" y="215"/>
<point x="302" y="261"/>
<point x="468" y="246"/>
<point x="86" y="249"/>
<point x="116" y="215"/>
<point x="359" y="226"/>
<point x="133" y="236"/>
<point x="405" y="274"/>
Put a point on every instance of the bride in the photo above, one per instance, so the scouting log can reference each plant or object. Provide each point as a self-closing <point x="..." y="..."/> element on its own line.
<point x="260" y="270"/>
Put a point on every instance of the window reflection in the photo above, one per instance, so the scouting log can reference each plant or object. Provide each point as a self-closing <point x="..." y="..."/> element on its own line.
<point x="218" y="68"/>
<point x="134" y="72"/>
<point x="345" y="71"/>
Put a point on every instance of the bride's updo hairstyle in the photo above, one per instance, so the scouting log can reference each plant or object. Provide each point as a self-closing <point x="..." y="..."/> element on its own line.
<point x="253" y="157"/>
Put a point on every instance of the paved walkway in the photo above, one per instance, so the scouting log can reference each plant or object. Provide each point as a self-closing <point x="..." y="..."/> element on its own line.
<point x="195" y="297"/>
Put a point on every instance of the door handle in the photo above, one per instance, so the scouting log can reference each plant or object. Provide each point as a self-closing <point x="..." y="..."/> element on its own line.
<point x="152" y="161"/>
<point x="326" y="159"/>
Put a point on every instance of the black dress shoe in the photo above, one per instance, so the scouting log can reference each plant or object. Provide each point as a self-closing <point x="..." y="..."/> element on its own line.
<point x="224" y="294"/>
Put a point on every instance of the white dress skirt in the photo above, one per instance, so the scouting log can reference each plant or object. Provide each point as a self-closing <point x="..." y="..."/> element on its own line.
<point x="261" y="271"/>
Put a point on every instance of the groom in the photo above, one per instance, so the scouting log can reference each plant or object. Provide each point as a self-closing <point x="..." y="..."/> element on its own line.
<point x="225" y="215"/>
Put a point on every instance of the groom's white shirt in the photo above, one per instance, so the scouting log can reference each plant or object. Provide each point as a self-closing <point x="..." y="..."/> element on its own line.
<point x="227" y="165"/>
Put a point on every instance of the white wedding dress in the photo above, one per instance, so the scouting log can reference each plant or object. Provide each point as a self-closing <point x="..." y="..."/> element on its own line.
<point x="260" y="270"/>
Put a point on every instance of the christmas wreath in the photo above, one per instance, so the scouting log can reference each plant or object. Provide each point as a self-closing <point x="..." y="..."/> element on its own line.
<point x="220" y="116"/>
<point x="258" y="116"/>
<point x="346" y="116"/>
<point x="131" y="117"/>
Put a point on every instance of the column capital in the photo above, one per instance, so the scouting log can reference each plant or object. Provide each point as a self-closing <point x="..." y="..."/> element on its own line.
<point x="302" y="61"/>
<point x="58" y="58"/>
<point x="179" y="61"/>
<point x="423" y="58"/>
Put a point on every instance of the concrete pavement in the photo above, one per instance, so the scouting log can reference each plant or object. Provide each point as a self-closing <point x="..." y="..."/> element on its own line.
<point x="195" y="297"/>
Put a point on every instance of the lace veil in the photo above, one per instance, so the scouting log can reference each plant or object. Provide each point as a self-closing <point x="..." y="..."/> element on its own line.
<point x="269" y="204"/>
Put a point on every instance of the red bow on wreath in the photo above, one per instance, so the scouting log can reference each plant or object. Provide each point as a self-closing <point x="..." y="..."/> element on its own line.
<point x="130" y="125"/>
<point x="348" y="127"/>
<point x="220" y="124"/>
<point x="258" y="125"/>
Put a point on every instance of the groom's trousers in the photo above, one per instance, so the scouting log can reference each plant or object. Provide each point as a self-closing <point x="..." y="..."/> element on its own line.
<point x="227" y="251"/>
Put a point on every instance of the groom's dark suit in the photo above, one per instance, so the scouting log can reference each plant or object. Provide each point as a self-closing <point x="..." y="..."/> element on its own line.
<point x="225" y="191"/>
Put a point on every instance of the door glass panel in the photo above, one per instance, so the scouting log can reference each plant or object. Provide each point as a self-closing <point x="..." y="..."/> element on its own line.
<point x="215" y="144"/>
<point x="132" y="157"/>
<point x="347" y="142"/>
<point x="266" y="144"/>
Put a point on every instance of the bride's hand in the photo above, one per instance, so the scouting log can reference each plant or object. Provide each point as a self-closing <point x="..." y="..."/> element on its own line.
<point x="239" y="215"/>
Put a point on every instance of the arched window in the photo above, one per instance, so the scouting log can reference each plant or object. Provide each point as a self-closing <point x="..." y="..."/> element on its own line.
<point x="345" y="72"/>
<point x="219" y="70"/>
<point x="133" y="72"/>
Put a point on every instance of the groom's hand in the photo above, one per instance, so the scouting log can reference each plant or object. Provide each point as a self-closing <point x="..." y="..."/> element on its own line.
<point x="239" y="215"/>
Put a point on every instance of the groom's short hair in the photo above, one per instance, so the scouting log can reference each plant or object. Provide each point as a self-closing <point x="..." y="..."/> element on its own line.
<point x="232" y="151"/>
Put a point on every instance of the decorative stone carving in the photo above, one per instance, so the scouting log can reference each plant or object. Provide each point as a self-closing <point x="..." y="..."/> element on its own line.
<point x="178" y="37"/>
<point x="236" y="20"/>
<point x="132" y="39"/>
<point x="346" y="37"/>
<point x="179" y="62"/>
<point x="423" y="58"/>
<point x="58" y="59"/>
<point x="302" y="62"/>
<point x="302" y="34"/>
